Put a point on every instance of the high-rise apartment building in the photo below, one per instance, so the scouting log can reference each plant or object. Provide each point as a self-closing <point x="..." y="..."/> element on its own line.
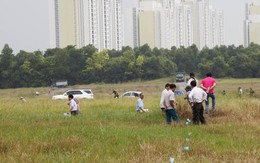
<point x="216" y="28"/>
<point x="83" y="22"/>
<point x="184" y="22"/>
<point x="167" y="23"/>
<point x="252" y="24"/>
<point x="149" y="23"/>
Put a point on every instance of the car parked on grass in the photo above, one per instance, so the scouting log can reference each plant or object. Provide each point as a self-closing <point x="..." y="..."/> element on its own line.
<point x="131" y="94"/>
<point x="77" y="93"/>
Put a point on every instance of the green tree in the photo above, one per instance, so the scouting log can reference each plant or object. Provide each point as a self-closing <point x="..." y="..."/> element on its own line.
<point x="95" y="66"/>
<point x="242" y="66"/>
<point x="6" y="66"/>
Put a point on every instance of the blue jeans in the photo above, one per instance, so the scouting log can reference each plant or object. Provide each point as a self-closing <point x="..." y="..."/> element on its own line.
<point x="212" y="96"/>
<point x="171" y="114"/>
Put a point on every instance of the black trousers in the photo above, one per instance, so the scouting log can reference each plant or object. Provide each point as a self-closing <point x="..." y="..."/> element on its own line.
<point x="197" y="111"/>
<point x="74" y="112"/>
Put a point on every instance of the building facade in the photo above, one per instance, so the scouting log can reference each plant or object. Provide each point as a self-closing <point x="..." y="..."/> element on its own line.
<point x="167" y="23"/>
<point x="83" y="22"/>
<point x="252" y="24"/>
<point x="149" y="25"/>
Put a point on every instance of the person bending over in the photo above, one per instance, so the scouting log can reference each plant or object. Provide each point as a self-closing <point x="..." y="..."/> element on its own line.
<point x="73" y="105"/>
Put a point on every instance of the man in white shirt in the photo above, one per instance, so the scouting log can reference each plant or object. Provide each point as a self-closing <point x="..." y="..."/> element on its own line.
<point x="196" y="97"/>
<point x="140" y="104"/>
<point x="73" y="105"/>
<point x="192" y="77"/>
<point x="170" y="103"/>
<point x="163" y="96"/>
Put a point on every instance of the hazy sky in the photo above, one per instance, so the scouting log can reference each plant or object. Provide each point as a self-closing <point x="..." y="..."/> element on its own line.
<point x="24" y="24"/>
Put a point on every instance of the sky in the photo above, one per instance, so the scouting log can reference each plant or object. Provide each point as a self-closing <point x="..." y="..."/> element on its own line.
<point x="24" y="24"/>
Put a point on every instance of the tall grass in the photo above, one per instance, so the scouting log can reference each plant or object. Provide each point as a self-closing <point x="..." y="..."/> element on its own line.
<point x="109" y="130"/>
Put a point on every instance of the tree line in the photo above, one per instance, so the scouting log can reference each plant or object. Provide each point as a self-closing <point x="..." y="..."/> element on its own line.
<point x="88" y="65"/>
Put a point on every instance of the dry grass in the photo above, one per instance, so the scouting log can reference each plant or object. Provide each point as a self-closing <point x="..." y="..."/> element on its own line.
<point x="109" y="130"/>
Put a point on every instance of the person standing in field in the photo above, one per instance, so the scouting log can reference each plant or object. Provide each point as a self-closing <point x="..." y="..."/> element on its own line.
<point x="196" y="97"/>
<point x="140" y="104"/>
<point x="170" y="109"/>
<point x="208" y="84"/>
<point x="73" y="105"/>
<point x="192" y="77"/>
<point x="163" y="96"/>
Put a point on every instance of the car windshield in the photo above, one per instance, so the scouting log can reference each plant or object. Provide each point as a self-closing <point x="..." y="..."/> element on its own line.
<point x="74" y="92"/>
<point x="179" y="75"/>
<point x="127" y="94"/>
<point x="136" y="94"/>
<point x="88" y="91"/>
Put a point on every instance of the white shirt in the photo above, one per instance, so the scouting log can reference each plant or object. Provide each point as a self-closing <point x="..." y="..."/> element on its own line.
<point x="191" y="79"/>
<point x="163" y="96"/>
<point x="139" y="104"/>
<point x="169" y="97"/>
<point x="73" y="105"/>
<point x="197" y="95"/>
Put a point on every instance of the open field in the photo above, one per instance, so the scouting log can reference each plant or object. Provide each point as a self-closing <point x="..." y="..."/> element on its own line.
<point x="109" y="130"/>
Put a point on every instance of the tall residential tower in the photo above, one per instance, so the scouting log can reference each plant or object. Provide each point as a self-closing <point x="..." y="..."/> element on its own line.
<point x="167" y="23"/>
<point x="252" y="24"/>
<point x="83" y="22"/>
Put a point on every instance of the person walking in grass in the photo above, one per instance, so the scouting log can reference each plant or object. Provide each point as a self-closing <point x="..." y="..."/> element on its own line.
<point x="72" y="105"/>
<point x="170" y="106"/>
<point x="208" y="84"/>
<point x="196" y="97"/>
<point x="163" y="96"/>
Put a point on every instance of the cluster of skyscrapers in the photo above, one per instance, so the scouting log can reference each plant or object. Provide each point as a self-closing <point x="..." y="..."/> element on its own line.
<point x="167" y="23"/>
<point x="83" y="22"/>
<point x="158" y="23"/>
<point x="252" y="24"/>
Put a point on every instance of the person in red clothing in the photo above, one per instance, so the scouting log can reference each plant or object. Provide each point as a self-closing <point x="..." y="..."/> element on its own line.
<point x="208" y="84"/>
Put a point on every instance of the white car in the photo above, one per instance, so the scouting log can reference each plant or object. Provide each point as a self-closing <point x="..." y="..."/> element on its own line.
<point x="131" y="94"/>
<point x="77" y="93"/>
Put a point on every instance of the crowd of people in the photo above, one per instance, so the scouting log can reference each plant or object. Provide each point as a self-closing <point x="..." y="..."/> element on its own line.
<point x="196" y="95"/>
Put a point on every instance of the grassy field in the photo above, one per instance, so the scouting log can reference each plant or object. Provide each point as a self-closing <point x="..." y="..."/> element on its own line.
<point x="109" y="130"/>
